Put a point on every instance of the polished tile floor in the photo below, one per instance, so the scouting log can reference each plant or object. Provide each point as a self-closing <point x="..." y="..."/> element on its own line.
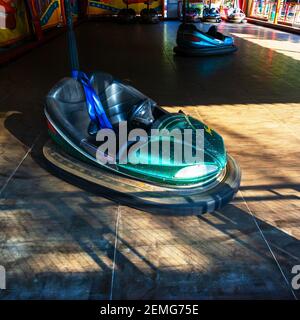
<point x="58" y="240"/>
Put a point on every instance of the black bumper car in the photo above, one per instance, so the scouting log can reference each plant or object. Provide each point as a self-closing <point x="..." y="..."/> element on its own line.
<point x="149" y="15"/>
<point x="126" y="15"/>
<point x="211" y="15"/>
<point x="191" y="41"/>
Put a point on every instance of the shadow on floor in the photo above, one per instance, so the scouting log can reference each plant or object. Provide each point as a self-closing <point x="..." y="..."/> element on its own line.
<point x="239" y="262"/>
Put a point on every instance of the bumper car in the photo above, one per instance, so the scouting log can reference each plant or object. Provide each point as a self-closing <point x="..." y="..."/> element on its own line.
<point x="191" y="41"/>
<point x="192" y="15"/>
<point x="149" y="15"/>
<point x="211" y="15"/>
<point x="236" y="16"/>
<point x="126" y="15"/>
<point x="187" y="12"/>
<point x="154" y="181"/>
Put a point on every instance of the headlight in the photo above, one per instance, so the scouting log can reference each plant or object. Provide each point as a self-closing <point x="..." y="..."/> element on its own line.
<point x="196" y="171"/>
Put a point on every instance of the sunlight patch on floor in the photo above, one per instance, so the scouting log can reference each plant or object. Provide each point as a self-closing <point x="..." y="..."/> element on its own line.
<point x="289" y="49"/>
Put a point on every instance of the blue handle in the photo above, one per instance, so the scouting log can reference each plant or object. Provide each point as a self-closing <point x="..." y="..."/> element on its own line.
<point x="95" y="107"/>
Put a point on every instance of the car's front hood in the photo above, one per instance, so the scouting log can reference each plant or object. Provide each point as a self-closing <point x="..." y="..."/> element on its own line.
<point x="189" y="160"/>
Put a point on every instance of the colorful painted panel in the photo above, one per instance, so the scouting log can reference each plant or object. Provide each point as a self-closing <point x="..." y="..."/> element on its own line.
<point x="49" y="12"/>
<point x="13" y="21"/>
<point x="110" y="7"/>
